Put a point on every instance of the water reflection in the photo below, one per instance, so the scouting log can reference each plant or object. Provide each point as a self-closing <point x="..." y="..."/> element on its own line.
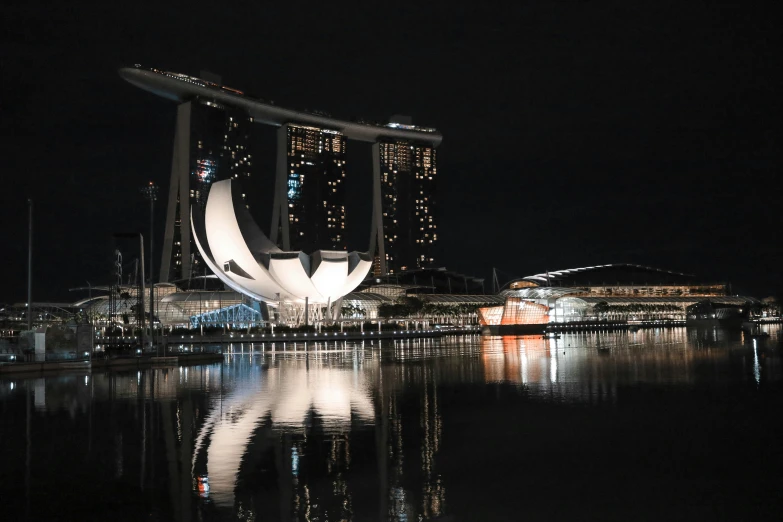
<point x="590" y="366"/>
<point x="286" y="396"/>
<point x="352" y="432"/>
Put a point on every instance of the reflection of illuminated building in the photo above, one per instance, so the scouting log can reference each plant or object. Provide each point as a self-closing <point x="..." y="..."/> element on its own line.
<point x="433" y="491"/>
<point x="402" y="459"/>
<point x="397" y="449"/>
<point x="526" y="359"/>
<point x="286" y="395"/>
<point x="589" y="367"/>
<point x="293" y="430"/>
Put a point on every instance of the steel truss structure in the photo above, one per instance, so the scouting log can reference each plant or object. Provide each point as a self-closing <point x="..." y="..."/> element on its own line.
<point x="238" y="316"/>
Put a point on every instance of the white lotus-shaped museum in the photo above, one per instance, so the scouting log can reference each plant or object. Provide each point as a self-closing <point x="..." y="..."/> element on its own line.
<point x="236" y="250"/>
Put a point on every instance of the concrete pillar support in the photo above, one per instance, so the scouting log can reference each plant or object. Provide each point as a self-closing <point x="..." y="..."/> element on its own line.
<point x="376" y="233"/>
<point x="280" y="203"/>
<point x="179" y="192"/>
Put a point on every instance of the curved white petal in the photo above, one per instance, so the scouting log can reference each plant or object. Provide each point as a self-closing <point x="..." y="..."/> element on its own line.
<point x="290" y="273"/>
<point x="357" y="275"/>
<point x="227" y="244"/>
<point x="219" y="273"/>
<point x="330" y="273"/>
<point x="288" y="276"/>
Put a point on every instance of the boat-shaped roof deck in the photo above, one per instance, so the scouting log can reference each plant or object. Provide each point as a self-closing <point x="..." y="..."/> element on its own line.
<point x="180" y="88"/>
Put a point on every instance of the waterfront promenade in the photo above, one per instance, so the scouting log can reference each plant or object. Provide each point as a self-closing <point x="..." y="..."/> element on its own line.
<point x="197" y="349"/>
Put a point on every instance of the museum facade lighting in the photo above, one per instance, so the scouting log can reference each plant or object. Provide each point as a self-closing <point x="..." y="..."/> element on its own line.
<point x="236" y="250"/>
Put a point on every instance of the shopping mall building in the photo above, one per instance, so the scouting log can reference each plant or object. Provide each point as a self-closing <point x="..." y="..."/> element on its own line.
<point x="614" y="293"/>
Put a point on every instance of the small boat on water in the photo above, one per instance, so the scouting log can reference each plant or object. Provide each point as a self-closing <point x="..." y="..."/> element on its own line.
<point x="551" y="335"/>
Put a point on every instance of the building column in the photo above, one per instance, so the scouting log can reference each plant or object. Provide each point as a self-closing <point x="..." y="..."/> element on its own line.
<point x="280" y="202"/>
<point x="337" y="311"/>
<point x="376" y="232"/>
<point x="179" y="188"/>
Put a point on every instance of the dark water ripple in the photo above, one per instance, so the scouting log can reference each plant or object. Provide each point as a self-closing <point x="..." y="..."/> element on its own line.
<point x="676" y="424"/>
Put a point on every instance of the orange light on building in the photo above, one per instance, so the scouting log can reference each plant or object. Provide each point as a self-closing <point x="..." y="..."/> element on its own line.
<point x="490" y="315"/>
<point x="520" y="311"/>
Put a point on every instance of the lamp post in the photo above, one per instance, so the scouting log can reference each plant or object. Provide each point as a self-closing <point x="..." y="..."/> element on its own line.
<point x="30" y="265"/>
<point x="150" y="192"/>
<point x="131" y="235"/>
<point x="92" y="326"/>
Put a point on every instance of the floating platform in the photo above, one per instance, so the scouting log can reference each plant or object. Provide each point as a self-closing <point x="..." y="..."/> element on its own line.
<point x="514" y="329"/>
<point x="582" y="326"/>
<point x="40" y="366"/>
<point x="116" y="363"/>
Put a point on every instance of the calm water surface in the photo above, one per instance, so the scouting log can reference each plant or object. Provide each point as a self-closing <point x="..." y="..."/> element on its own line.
<point x="677" y="424"/>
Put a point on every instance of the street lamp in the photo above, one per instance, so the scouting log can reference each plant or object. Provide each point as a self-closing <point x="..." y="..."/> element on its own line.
<point x="30" y="265"/>
<point x="92" y="326"/>
<point x="150" y="192"/>
<point x="141" y="254"/>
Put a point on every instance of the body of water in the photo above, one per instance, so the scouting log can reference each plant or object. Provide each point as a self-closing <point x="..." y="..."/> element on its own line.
<point x="676" y="424"/>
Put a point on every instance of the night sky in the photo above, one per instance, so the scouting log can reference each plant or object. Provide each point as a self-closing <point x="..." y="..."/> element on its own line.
<point x="575" y="132"/>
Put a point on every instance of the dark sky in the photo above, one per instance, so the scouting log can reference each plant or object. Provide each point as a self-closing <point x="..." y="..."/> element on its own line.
<point x="575" y="132"/>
